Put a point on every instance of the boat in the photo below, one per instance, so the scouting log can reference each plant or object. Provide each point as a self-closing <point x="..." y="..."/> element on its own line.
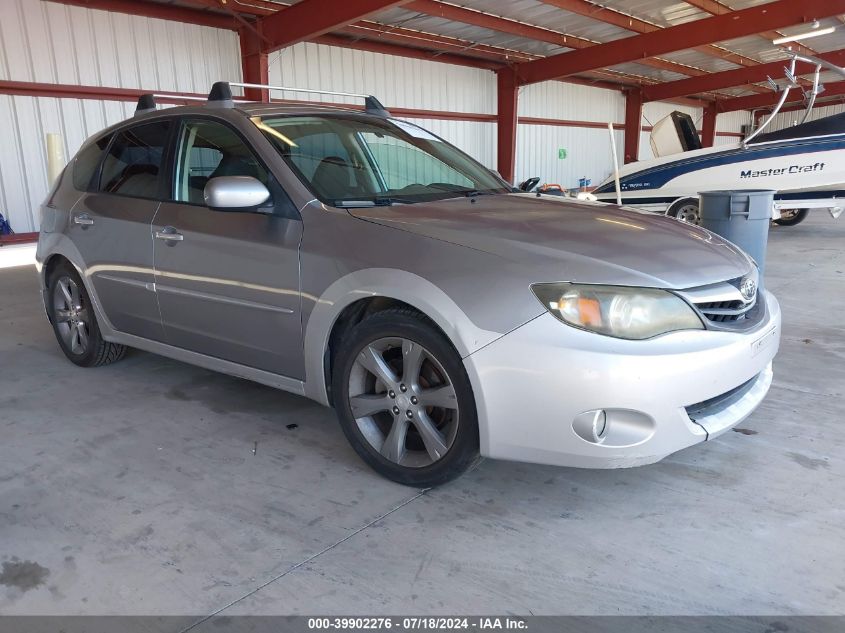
<point x="804" y="164"/>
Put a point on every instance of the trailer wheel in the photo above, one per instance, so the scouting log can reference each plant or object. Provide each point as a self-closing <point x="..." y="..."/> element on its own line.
<point x="685" y="210"/>
<point x="791" y="217"/>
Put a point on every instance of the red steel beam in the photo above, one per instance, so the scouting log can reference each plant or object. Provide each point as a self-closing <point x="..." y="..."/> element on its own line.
<point x="312" y="18"/>
<point x="18" y="238"/>
<point x="159" y="11"/>
<point x="100" y="93"/>
<point x="521" y="29"/>
<point x="254" y="64"/>
<point x="729" y="78"/>
<point x="633" y="121"/>
<point x="630" y="23"/>
<point x="762" y="101"/>
<point x="714" y="7"/>
<point x="773" y="15"/>
<point x="507" y="96"/>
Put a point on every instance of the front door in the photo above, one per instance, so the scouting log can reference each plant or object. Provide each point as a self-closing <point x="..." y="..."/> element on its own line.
<point x="227" y="282"/>
<point x="111" y="228"/>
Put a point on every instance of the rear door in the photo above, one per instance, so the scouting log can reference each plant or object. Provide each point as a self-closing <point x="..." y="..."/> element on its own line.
<point x="228" y="281"/>
<point x="111" y="226"/>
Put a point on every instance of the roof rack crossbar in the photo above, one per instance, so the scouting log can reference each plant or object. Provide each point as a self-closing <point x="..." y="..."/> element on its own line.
<point x="371" y="104"/>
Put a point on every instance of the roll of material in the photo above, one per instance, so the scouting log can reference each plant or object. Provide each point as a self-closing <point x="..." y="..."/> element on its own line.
<point x="55" y="156"/>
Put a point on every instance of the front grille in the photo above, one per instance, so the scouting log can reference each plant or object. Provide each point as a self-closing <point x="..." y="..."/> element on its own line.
<point x="722" y="311"/>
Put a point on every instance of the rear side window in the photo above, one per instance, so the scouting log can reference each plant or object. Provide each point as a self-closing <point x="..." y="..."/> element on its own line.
<point x="86" y="163"/>
<point x="133" y="164"/>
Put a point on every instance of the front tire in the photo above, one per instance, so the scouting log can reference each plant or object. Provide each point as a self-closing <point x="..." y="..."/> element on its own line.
<point x="404" y="400"/>
<point x="791" y="217"/>
<point x="74" y="322"/>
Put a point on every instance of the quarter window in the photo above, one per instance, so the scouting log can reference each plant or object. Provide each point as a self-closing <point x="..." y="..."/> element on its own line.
<point x="133" y="164"/>
<point x="86" y="163"/>
<point x="207" y="150"/>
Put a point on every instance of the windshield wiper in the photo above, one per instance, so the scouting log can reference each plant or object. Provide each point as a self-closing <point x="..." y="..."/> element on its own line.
<point x="375" y="202"/>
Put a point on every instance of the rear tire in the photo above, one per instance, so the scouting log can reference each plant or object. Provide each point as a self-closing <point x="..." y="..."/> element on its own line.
<point x="414" y="419"/>
<point x="791" y="217"/>
<point x="74" y="322"/>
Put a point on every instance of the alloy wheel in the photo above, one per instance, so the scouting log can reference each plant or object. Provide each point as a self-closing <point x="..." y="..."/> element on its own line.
<point x="72" y="319"/>
<point x="403" y="401"/>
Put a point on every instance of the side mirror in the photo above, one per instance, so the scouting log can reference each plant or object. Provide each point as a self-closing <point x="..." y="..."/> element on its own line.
<point x="235" y="193"/>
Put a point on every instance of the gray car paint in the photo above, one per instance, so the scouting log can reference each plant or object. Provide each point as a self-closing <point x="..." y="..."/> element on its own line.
<point x="467" y="263"/>
<point x="562" y="239"/>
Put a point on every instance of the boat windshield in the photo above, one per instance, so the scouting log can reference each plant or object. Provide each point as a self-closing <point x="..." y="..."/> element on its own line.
<point x="354" y="160"/>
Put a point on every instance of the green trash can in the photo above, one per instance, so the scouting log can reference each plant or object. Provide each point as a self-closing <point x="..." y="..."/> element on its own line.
<point x="742" y="217"/>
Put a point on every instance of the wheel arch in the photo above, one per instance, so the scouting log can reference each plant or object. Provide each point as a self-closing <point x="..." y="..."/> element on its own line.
<point x="353" y="297"/>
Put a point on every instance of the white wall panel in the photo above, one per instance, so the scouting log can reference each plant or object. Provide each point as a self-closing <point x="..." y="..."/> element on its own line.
<point x="23" y="162"/>
<point x="395" y="81"/>
<point x="588" y="154"/>
<point x="788" y="119"/>
<point x="732" y="121"/>
<point x="47" y="42"/>
<point x="54" y="43"/>
<point x="574" y="102"/>
<point x="478" y="139"/>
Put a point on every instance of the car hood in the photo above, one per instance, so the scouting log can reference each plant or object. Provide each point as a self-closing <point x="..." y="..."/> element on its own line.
<point x="561" y="239"/>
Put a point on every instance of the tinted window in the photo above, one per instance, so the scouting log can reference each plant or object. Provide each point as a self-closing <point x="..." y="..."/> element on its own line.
<point x="86" y="163"/>
<point x="207" y="150"/>
<point x="133" y="163"/>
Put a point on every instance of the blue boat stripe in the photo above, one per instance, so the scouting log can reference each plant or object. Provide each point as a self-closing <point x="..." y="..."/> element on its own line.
<point x="656" y="177"/>
<point x="799" y="195"/>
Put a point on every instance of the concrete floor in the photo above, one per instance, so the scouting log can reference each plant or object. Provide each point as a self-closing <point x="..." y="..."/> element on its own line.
<point x="134" y="489"/>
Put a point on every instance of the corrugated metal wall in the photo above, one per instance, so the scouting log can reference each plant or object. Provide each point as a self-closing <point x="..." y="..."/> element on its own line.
<point x="53" y="43"/>
<point x="396" y="81"/>
<point x="788" y="119"/>
<point x="587" y="150"/>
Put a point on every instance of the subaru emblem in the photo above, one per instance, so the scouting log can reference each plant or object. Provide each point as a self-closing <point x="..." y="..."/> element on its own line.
<point x="748" y="288"/>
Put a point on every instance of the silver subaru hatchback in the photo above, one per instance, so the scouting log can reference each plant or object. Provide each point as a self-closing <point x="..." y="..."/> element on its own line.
<point x="365" y="263"/>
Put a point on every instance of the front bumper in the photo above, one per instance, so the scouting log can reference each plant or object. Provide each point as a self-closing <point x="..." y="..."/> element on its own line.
<point x="658" y="396"/>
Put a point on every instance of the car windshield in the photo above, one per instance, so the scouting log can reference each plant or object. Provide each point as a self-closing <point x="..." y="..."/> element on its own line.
<point x="351" y="160"/>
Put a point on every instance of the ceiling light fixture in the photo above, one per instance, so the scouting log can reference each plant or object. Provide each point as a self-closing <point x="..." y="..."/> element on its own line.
<point x="804" y="36"/>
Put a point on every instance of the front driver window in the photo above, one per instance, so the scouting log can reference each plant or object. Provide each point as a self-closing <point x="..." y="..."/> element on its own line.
<point x="208" y="149"/>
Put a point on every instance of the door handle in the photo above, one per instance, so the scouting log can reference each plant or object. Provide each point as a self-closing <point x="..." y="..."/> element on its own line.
<point x="83" y="219"/>
<point x="169" y="235"/>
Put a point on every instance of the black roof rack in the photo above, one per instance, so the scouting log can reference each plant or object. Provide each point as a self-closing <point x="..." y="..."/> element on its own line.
<point x="146" y="103"/>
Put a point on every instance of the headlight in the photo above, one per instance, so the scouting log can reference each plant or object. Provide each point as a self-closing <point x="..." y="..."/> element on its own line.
<point x="620" y="311"/>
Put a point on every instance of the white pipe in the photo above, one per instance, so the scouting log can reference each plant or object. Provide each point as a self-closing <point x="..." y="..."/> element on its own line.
<point x="615" y="163"/>
<point x="55" y="156"/>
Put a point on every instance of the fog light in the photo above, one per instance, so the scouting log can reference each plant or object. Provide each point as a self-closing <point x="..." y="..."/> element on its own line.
<point x="613" y="428"/>
<point x="591" y="426"/>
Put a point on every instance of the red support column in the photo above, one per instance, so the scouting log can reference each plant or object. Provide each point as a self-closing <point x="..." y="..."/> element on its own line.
<point x="633" y="124"/>
<point x="507" y="91"/>
<point x="254" y="64"/>
<point x="708" y="126"/>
